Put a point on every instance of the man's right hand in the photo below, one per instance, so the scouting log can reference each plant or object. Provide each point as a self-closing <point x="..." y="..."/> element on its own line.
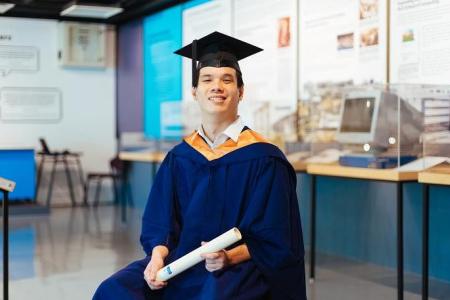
<point x="156" y="263"/>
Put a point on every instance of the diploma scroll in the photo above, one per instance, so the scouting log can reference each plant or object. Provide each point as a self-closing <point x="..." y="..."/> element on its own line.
<point x="192" y="258"/>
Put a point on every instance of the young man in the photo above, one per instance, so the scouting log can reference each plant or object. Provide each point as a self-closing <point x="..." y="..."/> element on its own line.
<point x="224" y="175"/>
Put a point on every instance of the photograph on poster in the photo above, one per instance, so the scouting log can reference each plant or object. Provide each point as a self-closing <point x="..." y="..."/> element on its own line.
<point x="345" y="41"/>
<point x="284" y="32"/>
<point x="369" y="37"/>
<point x="408" y="36"/>
<point x="368" y="9"/>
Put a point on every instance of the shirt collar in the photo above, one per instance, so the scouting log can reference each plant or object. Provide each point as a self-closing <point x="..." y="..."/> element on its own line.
<point x="232" y="131"/>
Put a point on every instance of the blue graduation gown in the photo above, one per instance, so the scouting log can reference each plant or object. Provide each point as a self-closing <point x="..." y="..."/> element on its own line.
<point x="200" y="193"/>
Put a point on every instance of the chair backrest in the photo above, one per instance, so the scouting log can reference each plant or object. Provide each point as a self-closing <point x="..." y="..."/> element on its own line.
<point x="44" y="146"/>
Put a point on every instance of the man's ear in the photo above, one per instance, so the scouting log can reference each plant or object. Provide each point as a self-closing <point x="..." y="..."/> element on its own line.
<point x="241" y="92"/>
<point x="194" y="92"/>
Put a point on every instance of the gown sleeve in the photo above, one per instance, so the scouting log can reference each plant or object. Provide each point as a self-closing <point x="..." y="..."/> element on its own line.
<point x="159" y="222"/>
<point x="271" y="229"/>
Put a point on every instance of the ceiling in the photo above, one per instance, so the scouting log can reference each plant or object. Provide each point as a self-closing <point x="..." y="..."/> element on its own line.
<point x="50" y="9"/>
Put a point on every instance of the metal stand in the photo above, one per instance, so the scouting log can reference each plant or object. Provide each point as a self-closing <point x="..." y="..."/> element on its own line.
<point x="6" y="186"/>
<point x="5" y="247"/>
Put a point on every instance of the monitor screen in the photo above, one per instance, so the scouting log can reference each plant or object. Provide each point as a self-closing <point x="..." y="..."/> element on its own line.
<point x="357" y="115"/>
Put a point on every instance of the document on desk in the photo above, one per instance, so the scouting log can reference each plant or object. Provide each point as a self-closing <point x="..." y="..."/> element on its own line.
<point x="423" y="163"/>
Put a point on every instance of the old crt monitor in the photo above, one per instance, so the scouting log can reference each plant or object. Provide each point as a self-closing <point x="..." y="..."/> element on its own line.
<point x="371" y="117"/>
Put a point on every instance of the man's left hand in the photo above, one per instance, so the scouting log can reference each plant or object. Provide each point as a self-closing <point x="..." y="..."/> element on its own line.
<point x="216" y="260"/>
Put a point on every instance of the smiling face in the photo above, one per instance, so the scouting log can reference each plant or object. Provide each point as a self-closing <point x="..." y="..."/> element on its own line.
<point x="217" y="93"/>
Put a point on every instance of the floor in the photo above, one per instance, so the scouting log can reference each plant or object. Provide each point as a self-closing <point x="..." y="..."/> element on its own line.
<point x="65" y="255"/>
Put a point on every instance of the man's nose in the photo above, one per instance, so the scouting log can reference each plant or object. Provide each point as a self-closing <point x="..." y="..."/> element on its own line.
<point x="217" y="86"/>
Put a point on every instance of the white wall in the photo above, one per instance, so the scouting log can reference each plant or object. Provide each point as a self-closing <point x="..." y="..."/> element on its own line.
<point x="88" y="96"/>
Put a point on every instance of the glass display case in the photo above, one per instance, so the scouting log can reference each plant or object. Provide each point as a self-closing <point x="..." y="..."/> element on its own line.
<point x="376" y="126"/>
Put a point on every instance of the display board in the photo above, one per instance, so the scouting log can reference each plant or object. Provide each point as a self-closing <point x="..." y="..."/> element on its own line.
<point x="162" y="35"/>
<point x="270" y="97"/>
<point x="162" y="70"/>
<point x="199" y="21"/>
<point x="342" y="41"/>
<point x="420" y="41"/>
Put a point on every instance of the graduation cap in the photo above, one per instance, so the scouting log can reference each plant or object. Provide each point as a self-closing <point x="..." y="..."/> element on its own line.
<point x="216" y="50"/>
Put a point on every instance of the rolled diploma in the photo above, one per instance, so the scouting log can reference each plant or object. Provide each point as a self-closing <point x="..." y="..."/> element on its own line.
<point x="192" y="258"/>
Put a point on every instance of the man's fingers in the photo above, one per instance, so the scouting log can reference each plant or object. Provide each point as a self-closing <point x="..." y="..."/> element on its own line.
<point x="152" y="273"/>
<point x="210" y="256"/>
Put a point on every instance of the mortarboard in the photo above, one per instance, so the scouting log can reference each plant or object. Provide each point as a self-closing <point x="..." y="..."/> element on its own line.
<point x="216" y="50"/>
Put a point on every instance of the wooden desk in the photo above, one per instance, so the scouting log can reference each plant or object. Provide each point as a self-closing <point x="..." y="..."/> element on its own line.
<point x="153" y="157"/>
<point x="389" y="175"/>
<point x="138" y="156"/>
<point x="438" y="175"/>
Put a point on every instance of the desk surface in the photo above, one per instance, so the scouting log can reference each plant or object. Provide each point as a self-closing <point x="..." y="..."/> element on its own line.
<point x="360" y="173"/>
<point x="439" y="174"/>
<point x="153" y="157"/>
<point x="299" y="165"/>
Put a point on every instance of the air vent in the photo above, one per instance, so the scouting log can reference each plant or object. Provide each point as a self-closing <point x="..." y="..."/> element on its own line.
<point x="91" y="11"/>
<point x="4" y="7"/>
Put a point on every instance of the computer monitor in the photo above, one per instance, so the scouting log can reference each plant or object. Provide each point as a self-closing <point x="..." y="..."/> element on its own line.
<point x="371" y="117"/>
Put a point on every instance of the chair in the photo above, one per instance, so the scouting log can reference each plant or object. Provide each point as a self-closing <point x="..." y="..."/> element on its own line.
<point x="116" y="174"/>
<point x="56" y="157"/>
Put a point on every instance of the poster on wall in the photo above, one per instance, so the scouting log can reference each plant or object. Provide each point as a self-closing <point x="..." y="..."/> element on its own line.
<point x="26" y="105"/>
<point x="18" y="59"/>
<point x="420" y="41"/>
<point x="342" y="41"/>
<point x="270" y="97"/>
<point x="199" y="21"/>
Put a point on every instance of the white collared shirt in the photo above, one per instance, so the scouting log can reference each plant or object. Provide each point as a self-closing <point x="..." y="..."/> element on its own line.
<point x="232" y="131"/>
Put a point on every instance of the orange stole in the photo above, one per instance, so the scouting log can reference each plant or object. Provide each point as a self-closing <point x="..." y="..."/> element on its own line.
<point x="247" y="137"/>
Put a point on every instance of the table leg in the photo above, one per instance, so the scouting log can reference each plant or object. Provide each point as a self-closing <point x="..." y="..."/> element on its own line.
<point x="69" y="180"/>
<point x="425" y="239"/>
<point x="52" y="179"/>
<point x="399" y="240"/>
<point x="39" y="175"/>
<point x="312" y="230"/>
<point x="123" y="193"/>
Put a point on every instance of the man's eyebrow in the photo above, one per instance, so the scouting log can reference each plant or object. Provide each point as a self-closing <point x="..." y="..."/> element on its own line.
<point x="227" y="75"/>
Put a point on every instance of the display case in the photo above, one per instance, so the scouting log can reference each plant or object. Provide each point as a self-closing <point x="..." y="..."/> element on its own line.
<point x="369" y="126"/>
<point x="435" y="100"/>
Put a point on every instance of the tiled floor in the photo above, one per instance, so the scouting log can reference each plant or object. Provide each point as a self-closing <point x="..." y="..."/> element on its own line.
<point x="65" y="255"/>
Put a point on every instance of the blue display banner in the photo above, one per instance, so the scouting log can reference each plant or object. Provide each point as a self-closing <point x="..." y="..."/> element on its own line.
<point x="19" y="166"/>
<point x="162" y="35"/>
<point x="162" y="69"/>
